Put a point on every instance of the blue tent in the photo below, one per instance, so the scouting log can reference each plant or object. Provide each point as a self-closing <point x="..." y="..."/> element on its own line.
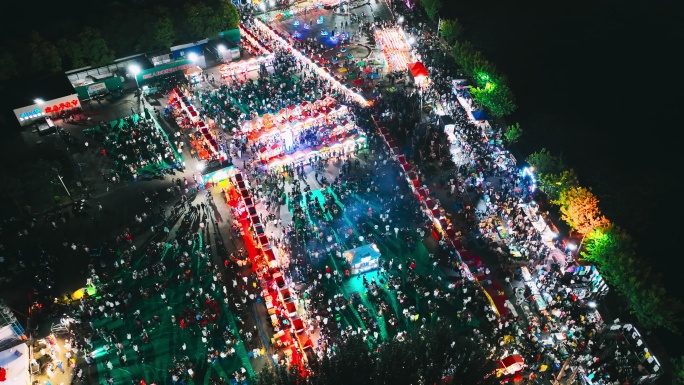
<point x="480" y="115"/>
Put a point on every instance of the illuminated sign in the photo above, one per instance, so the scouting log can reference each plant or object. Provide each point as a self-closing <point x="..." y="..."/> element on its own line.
<point x="31" y="114"/>
<point x="167" y="71"/>
<point x="61" y="106"/>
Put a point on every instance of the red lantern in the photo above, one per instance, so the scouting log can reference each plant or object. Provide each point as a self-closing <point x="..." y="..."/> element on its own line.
<point x="3" y="374"/>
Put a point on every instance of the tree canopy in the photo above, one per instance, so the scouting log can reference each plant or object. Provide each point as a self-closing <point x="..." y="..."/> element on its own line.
<point x="432" y="7"/>
<point x="579" y="209"/>
<point x="611" y="249"/>
<point x="116" y="30"/>
<point x="450" y="30"/>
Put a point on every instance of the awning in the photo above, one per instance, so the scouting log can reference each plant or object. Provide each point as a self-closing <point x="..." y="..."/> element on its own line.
<point x="193" y="71"/>
<point x="417" y="69"/>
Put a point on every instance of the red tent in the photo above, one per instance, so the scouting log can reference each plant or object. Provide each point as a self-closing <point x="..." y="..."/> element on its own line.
<point x="417" y="69"/>
<point x="511" y="364"/>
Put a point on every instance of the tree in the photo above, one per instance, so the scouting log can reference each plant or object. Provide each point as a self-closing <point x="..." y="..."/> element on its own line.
<point x="497" y="98"/>
<point x="203" y="21"/>
<point x="544" y="162"/>
<point x="94" y="48"/>
<point x="432" y="7"/>
<point x="579" y="209"/>
<point x="281" y="375"/>
<point x="8" y="65"/>
<point x="163" y="31"/>
<point x="231" y="16"/>
<point x="88" y="49"/>
<point x="470" y="59"/>
<point x="14" y="190"/>
<point x="612" y="251"/>
<point x="512" y="133"/>
<point x="678" y="364"/>
<point x="43" y="55"/>
<point x="450" y="30"/>
<point x="553" y="184"/>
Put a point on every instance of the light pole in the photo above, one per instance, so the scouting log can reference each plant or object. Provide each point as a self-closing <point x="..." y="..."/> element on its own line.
<point x="134" y="70"/>
<point x="63" y="185"/>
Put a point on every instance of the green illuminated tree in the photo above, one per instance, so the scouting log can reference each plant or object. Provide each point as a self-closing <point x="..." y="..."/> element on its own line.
<point x="469" y="59"/>
<point x="450" y="30"/>
<point x="432" y="8"/>
<point x="545" y="163"/>
<point x="553" y="184"/>
<point x="613" y="252"/>
<point x="497" y="98"/>
<point x="579" y="209"/>
<point x="512" y="133"/>
<point x="551" y="174"/>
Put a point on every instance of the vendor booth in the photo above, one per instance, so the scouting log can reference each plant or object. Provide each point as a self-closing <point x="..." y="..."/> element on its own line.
<point x="14" y="365"/>
<point x="193" y="74"/>
<point x="418" y="72"/>
<point x="510" y="365"/>
<point x="363" y="258"/>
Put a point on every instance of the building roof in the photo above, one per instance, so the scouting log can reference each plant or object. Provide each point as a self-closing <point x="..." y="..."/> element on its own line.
<point x="22" y="92"/>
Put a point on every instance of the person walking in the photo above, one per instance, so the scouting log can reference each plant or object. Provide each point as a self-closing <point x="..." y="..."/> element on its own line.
<point x="59" y="365"/>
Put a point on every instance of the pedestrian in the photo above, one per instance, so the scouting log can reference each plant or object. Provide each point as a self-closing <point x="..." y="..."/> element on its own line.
<point x="59" y="365"/>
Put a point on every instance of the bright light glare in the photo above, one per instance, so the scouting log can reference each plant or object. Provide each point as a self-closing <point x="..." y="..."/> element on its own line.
<point x="592" y="304"/>
<point x="262" y="6"/>
<point x="411" y="40"/>
<point x="39" y="101"/>
<point x="572" y="246"/>
<point x="400" y="19"/>
<point x="193" y="57"/>
<point x="201" y="166"/>
<point x="134" y="69"/>
<point x="221" y="48"/>
<point x="272" y="3"/>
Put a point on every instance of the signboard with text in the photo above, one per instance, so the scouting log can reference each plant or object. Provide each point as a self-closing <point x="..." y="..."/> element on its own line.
<point x="164" y="69"/>
<point x="51" y="108"/>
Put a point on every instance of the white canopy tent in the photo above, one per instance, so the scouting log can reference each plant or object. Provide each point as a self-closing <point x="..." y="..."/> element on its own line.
<point x="15" y="361"/>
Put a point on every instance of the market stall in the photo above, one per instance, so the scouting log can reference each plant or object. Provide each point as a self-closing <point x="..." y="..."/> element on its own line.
<point x="395" y="48"/>
<point x="363" y="258"/>
<point x="194" y="74"/>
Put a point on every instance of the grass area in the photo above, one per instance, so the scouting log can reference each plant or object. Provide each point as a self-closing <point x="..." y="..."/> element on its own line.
<point x="117" y="126"/>
<point x="345" y="229"/>
<point x="203" y="312"/>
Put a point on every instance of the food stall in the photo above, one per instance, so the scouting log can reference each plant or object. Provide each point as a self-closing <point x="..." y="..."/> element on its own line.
<point x="193" y="74"/>
<point x="363" y="258"/>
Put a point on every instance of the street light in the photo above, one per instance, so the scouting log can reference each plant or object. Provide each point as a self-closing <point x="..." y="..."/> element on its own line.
<point x="134" y="70"/>
<point x="65" y="187"/>
<point x="400" y="19"/>
<point x="39" y="101"/>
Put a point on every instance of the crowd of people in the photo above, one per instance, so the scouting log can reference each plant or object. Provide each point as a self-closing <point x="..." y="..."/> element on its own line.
<point x="137" y="145"/>
<point x="178" y="284"/>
